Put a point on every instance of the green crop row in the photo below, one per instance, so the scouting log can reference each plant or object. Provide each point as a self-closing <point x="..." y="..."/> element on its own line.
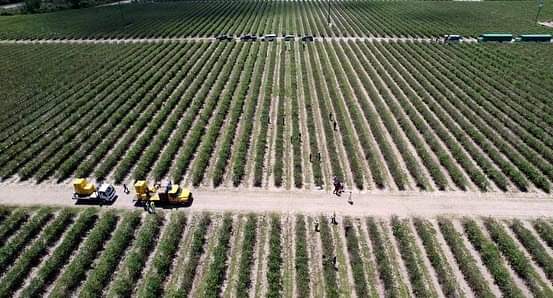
<point x="274" y="259"/>
<point x="491" y="257"/>
<point x="385" y="262"/>
<point x="516" y="258"/>
<point x="29" y="258"/>
<point x="12" y="223"/>
<point x="208" y="72"/>
<point x="278" y="167"/>
<point x="329" y="270"/>
<point x="168" y="244"/>
<point x="295" y="138"/>
<point x="111" y="256"/>
<point x="301" y="258"/>
<point x="534" y="247"/>
<point x="60" y="256"/>
<point x="362" y="287"/>
<point x="130" y="270"/>
<point x="247" y="257"/>
<point x="215" y="274"/>
<point x="545" y="230"/>
<point x="412" y="258"/>
<point x="76" y="270"/>
<point x="10" y="250"/>
<point x="435" y="253"/>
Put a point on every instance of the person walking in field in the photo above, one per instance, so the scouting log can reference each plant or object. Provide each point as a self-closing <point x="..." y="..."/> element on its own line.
<point x="125" y="189"/>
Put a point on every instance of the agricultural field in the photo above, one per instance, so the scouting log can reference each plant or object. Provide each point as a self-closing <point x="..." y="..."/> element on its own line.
<point x="281" y="115"/>
<point x="85" y="252"/>
<point x="349" y="18"/>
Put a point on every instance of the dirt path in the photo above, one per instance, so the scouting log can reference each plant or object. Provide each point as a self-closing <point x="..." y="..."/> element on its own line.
<point x="376" y="203"/>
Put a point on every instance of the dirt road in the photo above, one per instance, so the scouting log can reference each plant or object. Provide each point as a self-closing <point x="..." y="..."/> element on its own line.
<point x="317" y="202"/>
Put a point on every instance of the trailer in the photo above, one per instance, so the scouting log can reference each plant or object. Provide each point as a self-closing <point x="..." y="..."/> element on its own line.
<point x="496" y="37"/>
<point x="535" y="38"/>
<point x="87" y="191"/>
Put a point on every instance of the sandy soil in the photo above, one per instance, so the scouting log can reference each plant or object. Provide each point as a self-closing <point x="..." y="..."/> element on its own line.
<point x="376" y="203"/>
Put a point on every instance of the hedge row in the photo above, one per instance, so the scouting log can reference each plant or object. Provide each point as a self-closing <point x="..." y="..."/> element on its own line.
<point x="215" y="274"/>
<point x="168" y="244"/>
<point x="126" y="278"/>
<point x="76" y="270"/>
<point x="491" y="257"/>
<point x="246" y="257"/>
<point x="412" y="258"/>
<point x="437" y="258"/>
<point x="274" y="259"/>
<point x="56" y="261"/>
<point x="31" y="257"/>
<point x="517" y="259"/>
<point x="111" y="256"/>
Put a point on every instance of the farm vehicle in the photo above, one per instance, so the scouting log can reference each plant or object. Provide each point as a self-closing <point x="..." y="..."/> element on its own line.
<point x="85" y="190"/>
<point x="162" y="194"/>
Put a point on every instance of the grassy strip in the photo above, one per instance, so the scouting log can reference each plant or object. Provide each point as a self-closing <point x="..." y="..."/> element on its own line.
<point x="161" y="264"/>
<point x="465" y="261"/>
<point x="391" y="280"/>
<point x="357" y="267"/>
<point x="302" y="259"/>
<point x="55" y="262"/>
<point x="491" y="257"/>
<point x="437" y="258"/>
<point x="16" y="275"/>
<point x="131" y="269"/>
<point x="274" y="262"/>
<point x="246" y="258"/>
<point x="102" y="272"/>
<point x="328" y="253"/>
<point x="545" y="230"/>
<point x="422" y="287"/>
<point x="534" y="247"/>
<point x="12" y="224"/>
<point x="196" y="251"/>
<point x="215" y="275"/>
<point x="516" y="258"/>
<point x="11" y="250"/>
<point x="75" y="272"/>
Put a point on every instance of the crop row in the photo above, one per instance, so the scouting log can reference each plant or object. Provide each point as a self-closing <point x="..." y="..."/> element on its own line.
<point x="247" y="257"/>
<point x="274" y="259"/>
<point x="215" y="274"/>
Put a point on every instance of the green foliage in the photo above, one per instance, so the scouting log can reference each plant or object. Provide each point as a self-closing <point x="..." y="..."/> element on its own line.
<point x="274" y="260"/>
<point x="301" y="259"/>
<point x="545" y="230"/>
<point x="534" y="247"/>
<point x="329" y="271"/>
<point x="246" y="257"/>
<point x="12" y="224"/>
<point x="356" y="262"/>
<point x="215" y="274"/>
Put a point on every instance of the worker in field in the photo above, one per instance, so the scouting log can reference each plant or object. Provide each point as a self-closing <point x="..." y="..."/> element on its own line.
<point x="333" y="219"/>
<point x="316" y="226"/>
<point x="125" y="188"/>
<point x="350" y="200"/>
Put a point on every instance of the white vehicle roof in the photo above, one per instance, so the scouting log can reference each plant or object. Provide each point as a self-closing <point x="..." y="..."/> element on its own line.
<point x="104" y="187"/>
<point x="270" y="35"/>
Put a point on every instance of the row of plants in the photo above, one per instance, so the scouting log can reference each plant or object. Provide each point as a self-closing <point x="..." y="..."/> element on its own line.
<point x="385" y="261"/>
<point x="517" y="259"/>
<point x="302" y="259"/>
<point x="233" y="100"/>
<point x="545" y="230"/>
<point x="104" y="268"/>
<point x="220" y="94"/>
<point x="439" y="92"/>
<point x="247" y="122"/>
<point x="76" y="270"/>
<point x="99" y="108"/>
<point x="139" y="97"/>
<point x="61" y="254"/>
<point x="81" y="103"/>
<point x="437" y="258"/>
<point x="278" y="167"/>
<point x="328" y="250"/>
<point x="381" y="97"/>
<point x="15" y="276"/>
<point x="491" y="257"/>
<point x="11" y="249"/>
<point x="418" y="95"/>
<point x="12" y="223"/>
<point x="215" y="274"/>
<point x="295" y="137"/>
<point x="412" y="258"/>
<point x="274" y="259"/>
<point x="133" y="122"/>
<point x="534" y="248"/>
<point x="154" y="278"/>
<point x="422" y="126"/>
<point x="125" y="279"/>
<point x="197" y="249"/>
<point x="176" y="101"/>
<point x="342" y="118"/>
<point x="205" y="80"/>
<point x="310" y="119"/>
<point x="362" y="287"/>
<point x="247" y="257"/>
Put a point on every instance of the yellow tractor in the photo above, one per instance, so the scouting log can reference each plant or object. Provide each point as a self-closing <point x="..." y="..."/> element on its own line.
<point x="87" y="191"/>
<point x="166" y="193"/>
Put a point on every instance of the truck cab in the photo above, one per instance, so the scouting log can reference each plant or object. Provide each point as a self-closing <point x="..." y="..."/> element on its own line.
<point x="106" y="192"/>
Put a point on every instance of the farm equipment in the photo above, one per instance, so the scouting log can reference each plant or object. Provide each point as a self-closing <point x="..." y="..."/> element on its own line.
<point x="167" y="193"/>
<point x="85" y="190"/>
